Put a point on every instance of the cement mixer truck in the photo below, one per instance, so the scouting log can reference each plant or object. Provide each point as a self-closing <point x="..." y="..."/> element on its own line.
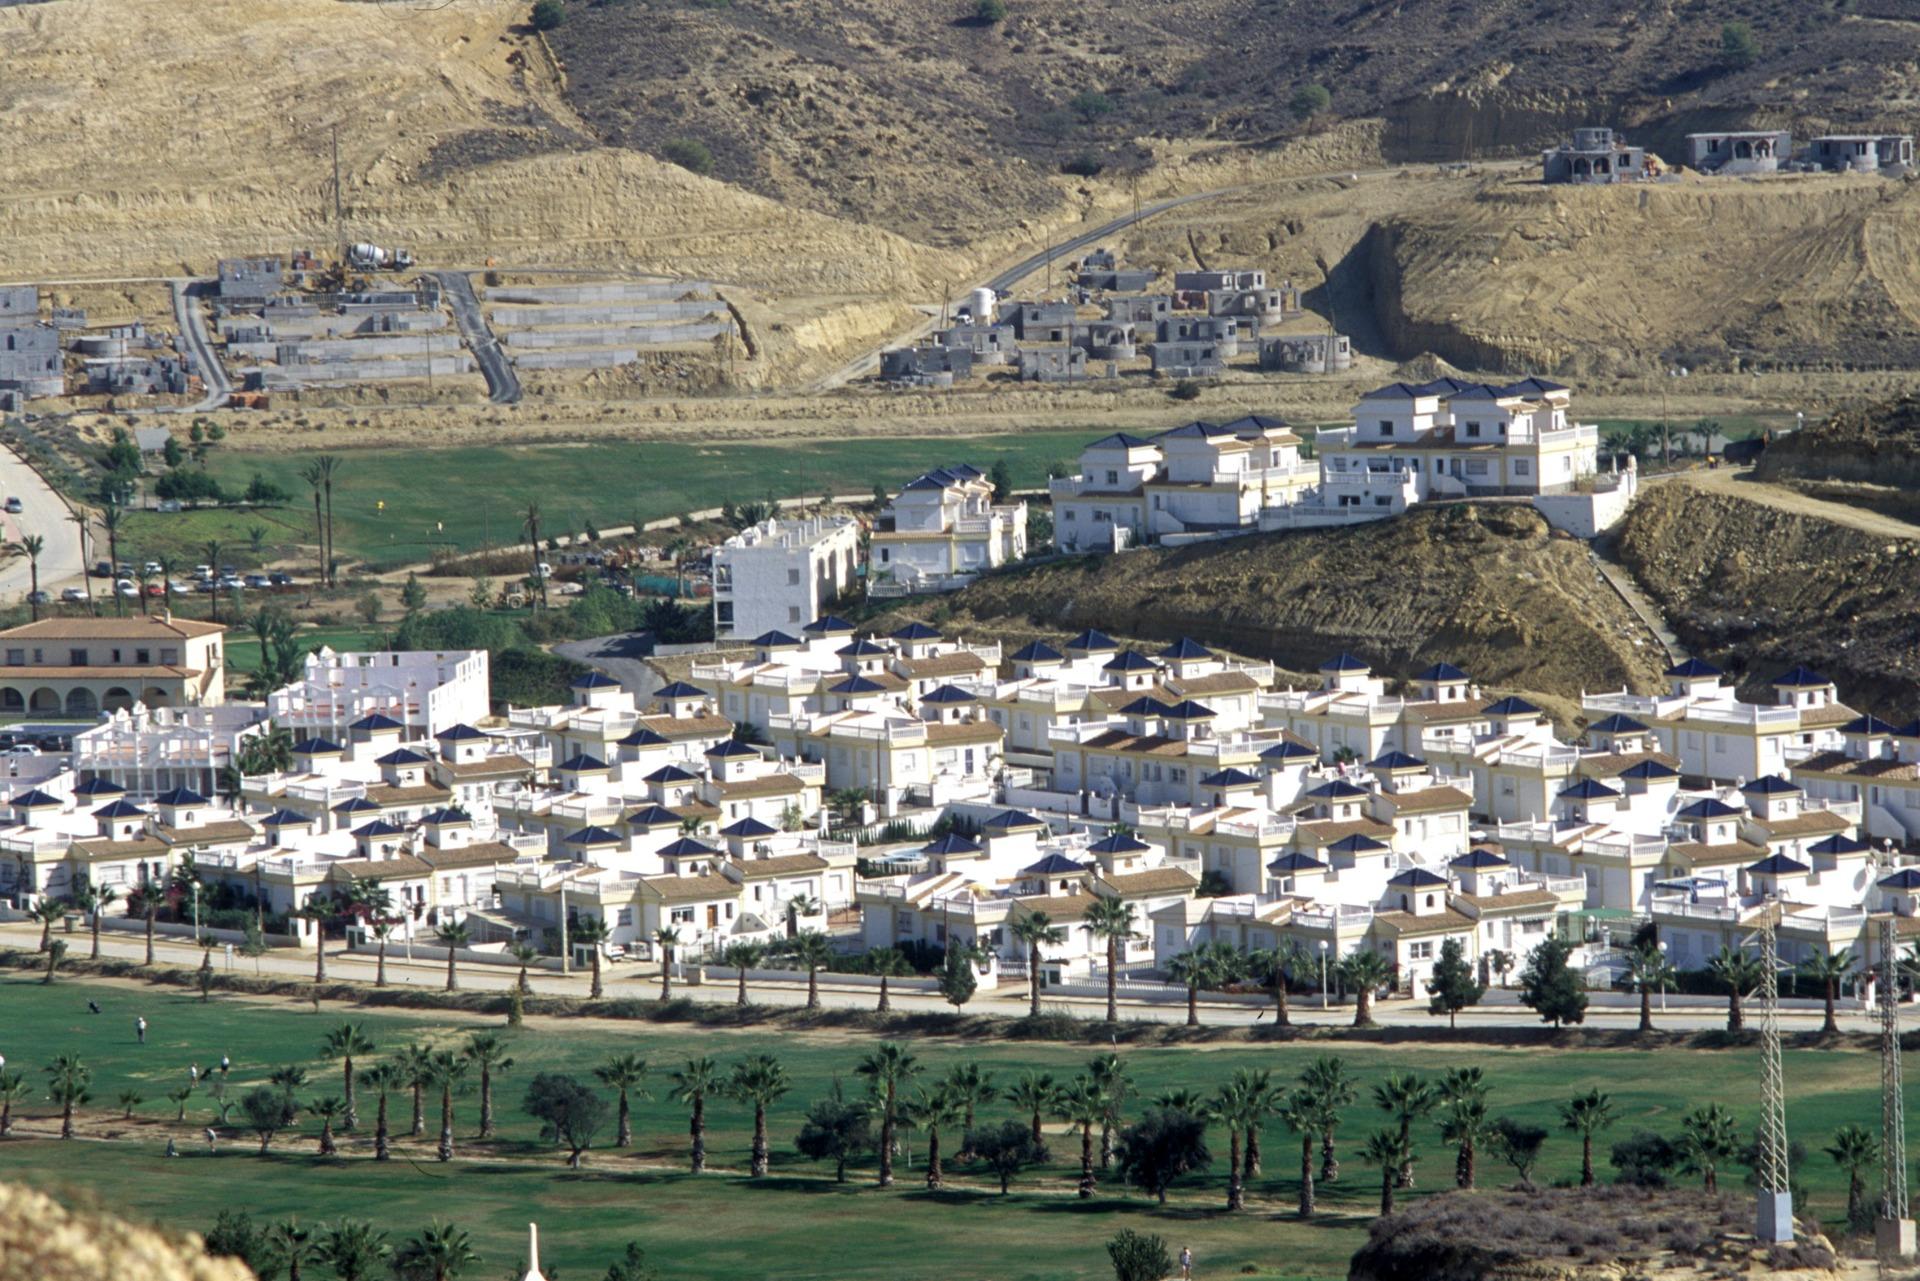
<point x="367" y="257"/>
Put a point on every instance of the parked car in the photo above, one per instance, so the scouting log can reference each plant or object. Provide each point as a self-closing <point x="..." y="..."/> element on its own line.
<point x="74" y="595"/>
<point x="180" y="588"/>
<point x="156" y="589"/>
<point x="102" y="569"/>
<point x="230" y="583"/>
<point x="153" y="569"/>
<point x="13" y="504"/>
<point x="127" y="588"/>
<point x="280" y="580"/>
<point x="203" y="571"/>
<point x="22" y="749"/>
<point x="54" y="743"/>
<point x="39" y="598"/>
<point x="543" y="570"/>
<point x="258" y="582"/>
<point x="171" y="505"/>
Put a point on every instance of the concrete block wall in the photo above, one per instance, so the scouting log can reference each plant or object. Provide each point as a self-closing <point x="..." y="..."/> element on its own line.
<point x="370" y="371"/>
<point x="620" y="314"/>
<point x="611" y="336"/>
<point x="608" y="291"/>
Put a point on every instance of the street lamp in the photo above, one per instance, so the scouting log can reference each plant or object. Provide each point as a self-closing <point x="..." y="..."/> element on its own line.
<point x="196" y="911"/>
<point x="1663" y="987"/>
<point x="1323" y="974"/>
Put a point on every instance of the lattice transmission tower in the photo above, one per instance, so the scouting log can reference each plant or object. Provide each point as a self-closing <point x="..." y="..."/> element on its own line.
<point x="1773" y="1211"/>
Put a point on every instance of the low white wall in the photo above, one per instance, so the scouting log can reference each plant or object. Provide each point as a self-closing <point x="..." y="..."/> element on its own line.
<point x="184" y="929"/>
<point x="1588" y="515"/>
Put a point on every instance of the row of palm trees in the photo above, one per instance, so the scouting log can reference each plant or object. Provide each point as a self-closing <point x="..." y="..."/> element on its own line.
<point x="353" y="1248"/>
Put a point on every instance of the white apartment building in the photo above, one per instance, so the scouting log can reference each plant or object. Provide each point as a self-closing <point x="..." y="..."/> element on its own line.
<point x="150" y="750"/>
<point x="942" y="531"/>
<point x="1199" y="478"/>
<point x="426" y="691"/>
<point x="780" y="573"/>
<point x="1454" y="439"/>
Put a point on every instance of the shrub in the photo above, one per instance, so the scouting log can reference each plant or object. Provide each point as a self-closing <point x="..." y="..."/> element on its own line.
<point x="690" y="154"/>
<point x="1185" y="389"/>
<point x="1082" y="164"/>
<point x="1738" y="47"/>
<point x="1091" y="104"/>
<point x="1138" y="1257"/>
<point x="990" y="11"/>
<point x="1645" y="1159"/>
<point x="1309" y="101"/>
<point x="548" y="14"/>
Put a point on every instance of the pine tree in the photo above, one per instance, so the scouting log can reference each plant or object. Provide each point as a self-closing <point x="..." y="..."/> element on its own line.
<point x="1550" y="987"/>
<point x="1453" y="987"/>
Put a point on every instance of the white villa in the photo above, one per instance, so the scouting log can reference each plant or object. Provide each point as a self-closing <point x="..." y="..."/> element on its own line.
<point x="780" y="573"/>
<point x="942" y="531"/>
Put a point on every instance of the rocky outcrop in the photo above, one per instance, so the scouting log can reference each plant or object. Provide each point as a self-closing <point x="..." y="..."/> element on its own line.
<point x="1871" y="444"/>
<point x="1756" y="589"/>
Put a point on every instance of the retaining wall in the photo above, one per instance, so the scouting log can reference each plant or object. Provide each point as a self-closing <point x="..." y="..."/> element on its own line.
<point x="573" y="337"/>
<point x="614" y="291"/>
<point x="632" y="313"/>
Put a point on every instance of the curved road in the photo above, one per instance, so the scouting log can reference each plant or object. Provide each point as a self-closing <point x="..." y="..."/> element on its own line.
<point x="193" y="333"/>
<point x="45" y="513"/>
<point x="503" y="385"/>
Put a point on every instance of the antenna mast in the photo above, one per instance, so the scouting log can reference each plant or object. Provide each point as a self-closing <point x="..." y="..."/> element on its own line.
<point x="1773" y="1217"/>
<point x="1894" y="1231"/>
<point x="339" y="221"/>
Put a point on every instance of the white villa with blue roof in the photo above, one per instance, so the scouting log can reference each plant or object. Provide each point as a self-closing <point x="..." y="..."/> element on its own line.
<point x="941" y="531"/>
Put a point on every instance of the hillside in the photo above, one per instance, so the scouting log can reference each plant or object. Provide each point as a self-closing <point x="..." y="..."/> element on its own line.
<point x="923" y="119"/>
<point x="42" y="1240"/>
<point x="1872" y="447"/>
<point x="1756" y="589"/>
<point x="1486" y="587"/>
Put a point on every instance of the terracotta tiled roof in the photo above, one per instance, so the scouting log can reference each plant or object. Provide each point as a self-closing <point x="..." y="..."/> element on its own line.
<point x="1118" y="740"/>
<point x="960" y="663"/>
<point x="491" y="767"/>
<point x="770" y="785"/>
<point x="755" y="869"/>
<point x="1327" y="831"/>
<point x="141" y="628"/>
<point x="685" y="727"/>
<point x="1613" y="764"/>
<point x="105" y="849"/>
<point x="1407" y="924"/>
<point x="1811" y="823"/>
<point x="1157" y="880"/>
<point x="1460" y="710"/>
<point x="206" y="833"/>
<point x="1837" y="762"/>
<point x="1831" y="714"/>
<point x="479" y="854"/>
<point x="387" y="794"/>
<point x="1511" y="901"/>
<point x="682" y="889"/>
<point x="1427" y="800"/>
<point x="982" y="731"/>
<point x="401" y="867"/>
<point x="1709" y="855"/>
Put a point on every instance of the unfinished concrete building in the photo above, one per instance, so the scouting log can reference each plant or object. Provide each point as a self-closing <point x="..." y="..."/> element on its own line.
<point x="1141" y="309"/>
<point x="1264" y="306"/>
<point x="1040" y="321"/>
<point x="1596" y="156"/>
<point x="1306" y="353"/>
<point x="989" y="344"/>
<point x="1100" y="271"/>
<point x="1188" y="358"/>
<point x="30" y="363"/>
<point x="926" y="366"/>
<point x="249" y="280"/>
<point x="19" y="304"/>
<point x="1110" y="339"/>
<point x="1221" y="331"/>
<point x="1862" y="152"/>
<point x="1052" y="364"/>
<point x="1740" y="151"/>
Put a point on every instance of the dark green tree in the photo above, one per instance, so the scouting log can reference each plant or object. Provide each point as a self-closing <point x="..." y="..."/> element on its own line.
<point x="836" y="1130"/>
<point x="1161" y="1146"/>
<point x="1006" y="1149"/>
<point x="1549" y="986"/>
<point x="1453" y="986"/>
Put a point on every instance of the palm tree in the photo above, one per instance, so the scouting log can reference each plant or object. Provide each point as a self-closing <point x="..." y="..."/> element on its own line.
<point x="416" y="1069"/>
<point x="179" y="1098"/>
<point x="1277" y="965"/>
<point x="530" y="525"/>
<point x="888" y="963"/>
<point x="888" y="1067"/>
<point x="1036" y="930"/>
<point x="1327" y="1079"/>
<point x="526" y="956"/>
<point x="1237" y="1106"/>
<point x="933" y="1109"/>
<point x="31" y="546"/>
<point x="1466" y="1124"/>
<point x="93" y="900"/>
<point x="312" y="475"/>
<point x="67" y="1082"/>
<point x="1828" y="969"/>
<point x="328" y="1109"/>
<point x="289" y="1245"/>
<point x="666" y="938"/>
<point x="760" y="1081"/>
<point x="110" y="521"/>
<point x="47" y="911"/>
<point x="1111" y="919"/>
<point x="1709" y="1140"/>
<point x="1366" y="971"/>
<point x="741" y="957"/>
<point x="287" y="1079"/>
<point x="13" y="1088"/>
<point x="1856" y="1151"/>
<point x="354" y="1249"/>
<point x="212" y="549"/>
<point x="814" y="951"/>
<point x="447" y="1068"/>
<point x="1081" y="1105"/>
<point x="129" y="1100"/>
<point x="328" y="465"/>
<point x="1267" y="1099"/>
<point x="453" y="937"/>
<point x="1586" y="1115"/>
<point x="591" y="932"/>
<point x="1405" y="1098"/>
<point x="971" y="1086"/>
<point x="1739" y="973"/>
<point x="1116" y="1084"/>
<point x="382" y="930"/>
<point x="346" y="1043"/>
<point x="488" y="1052"/>
<point x="440" y="1253"/>
<point x="627" y="1075"/>
<point x="383" y="1079"/>
<point x="80" y="517"/>
<point x="319" y="910"/>
<point x="1386" y="1149"/>
<point x="1193" y="969"/>
<point x="152" y="906"/>
<point x="1302" y="1113"/>
<point x="1650" y="970"/>
<point x="693" y="1085"/>
<point x="1035" y="1093"/>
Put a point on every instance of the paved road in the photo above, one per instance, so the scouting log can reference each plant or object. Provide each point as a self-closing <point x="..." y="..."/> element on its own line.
<point x="503" y="385"/>
<point x="45" y="513"/>
<point x="428" y="971"/>
<point x="193" y="332"/>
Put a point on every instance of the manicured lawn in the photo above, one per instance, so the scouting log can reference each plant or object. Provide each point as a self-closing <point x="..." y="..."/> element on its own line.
<point x="243" y="647"/>
<point x="467" y="498"/>
<point x="722" y="1226"/>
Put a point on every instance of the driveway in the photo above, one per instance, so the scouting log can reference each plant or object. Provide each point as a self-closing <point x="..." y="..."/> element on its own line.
<point x="45" y="513"/>
<point x="503" y="385"/>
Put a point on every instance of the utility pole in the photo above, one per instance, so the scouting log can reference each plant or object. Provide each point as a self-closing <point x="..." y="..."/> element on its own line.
<point x="339" y="220"/>
<point x="1893" y="1231"/>
<point x="1773" y="1209"/>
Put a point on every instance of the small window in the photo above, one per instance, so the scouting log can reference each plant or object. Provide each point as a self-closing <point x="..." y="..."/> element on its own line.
<point x="141" y="656"/>
<point x="77" y="658"/>
<point x="16" y="657"/>
<point x="793" y="578"/>
<point x="170" y="657"/>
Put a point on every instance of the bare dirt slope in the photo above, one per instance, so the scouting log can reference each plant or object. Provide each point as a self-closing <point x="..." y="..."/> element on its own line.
<point x="1756" y="589"/>
<point x="1483" y="586"/>
<point x="824" y="103"/>
<point x="42" y="1240"/>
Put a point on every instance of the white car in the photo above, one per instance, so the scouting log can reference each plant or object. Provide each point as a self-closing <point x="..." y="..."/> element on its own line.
<point x="128" y="588"/>
<point x="21" y="749"/>
<point x="74" y="594"/>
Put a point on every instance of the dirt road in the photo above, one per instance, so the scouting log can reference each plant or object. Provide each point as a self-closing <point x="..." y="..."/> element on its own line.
<point x="1741" y="484"/>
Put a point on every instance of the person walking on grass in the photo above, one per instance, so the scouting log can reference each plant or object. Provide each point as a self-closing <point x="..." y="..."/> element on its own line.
<point x="140" y="1028"/>
<point x="1186" y="1263"/>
